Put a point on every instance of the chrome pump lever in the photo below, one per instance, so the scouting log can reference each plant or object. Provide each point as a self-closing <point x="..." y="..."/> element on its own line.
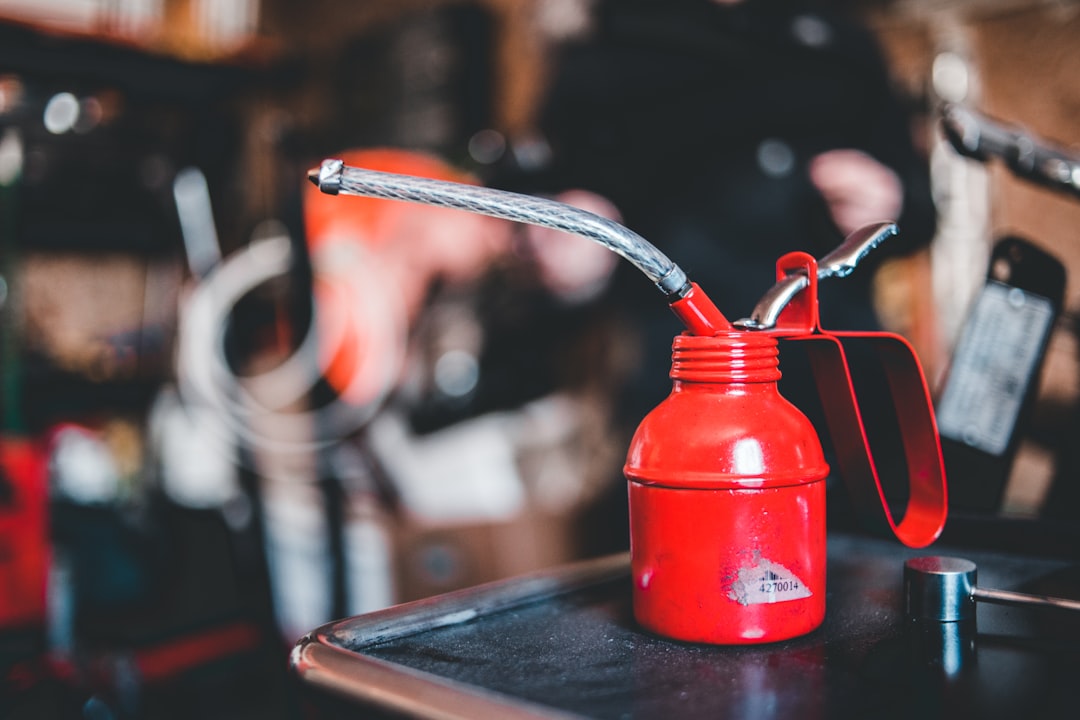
<point x="838" y="263"/>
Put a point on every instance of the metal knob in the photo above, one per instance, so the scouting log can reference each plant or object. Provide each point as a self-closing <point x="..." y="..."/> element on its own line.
<point x="943" y="589"/>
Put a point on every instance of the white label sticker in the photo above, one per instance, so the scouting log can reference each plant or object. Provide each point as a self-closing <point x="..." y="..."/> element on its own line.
<point x="993" y="365"/>
<point x="767" y="582"/>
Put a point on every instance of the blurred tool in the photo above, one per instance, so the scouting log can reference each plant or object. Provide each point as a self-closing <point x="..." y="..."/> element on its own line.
<point x="982" y="138"/>
<point x="196" y="221"/>
<point x="987" y="397"/>
<point x="943" y="589"/>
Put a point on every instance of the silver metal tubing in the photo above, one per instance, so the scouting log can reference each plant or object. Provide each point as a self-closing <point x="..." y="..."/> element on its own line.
<point x="1007" y="597"/>
<point x="1028" y="156"/>
<point x="334" y="177"/>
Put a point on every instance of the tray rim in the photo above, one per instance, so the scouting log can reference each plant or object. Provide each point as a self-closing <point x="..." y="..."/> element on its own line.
<point x="329" y="656"/>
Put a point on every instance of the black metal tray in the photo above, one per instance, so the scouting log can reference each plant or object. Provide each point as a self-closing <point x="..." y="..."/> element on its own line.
<point x="563" y="643"/>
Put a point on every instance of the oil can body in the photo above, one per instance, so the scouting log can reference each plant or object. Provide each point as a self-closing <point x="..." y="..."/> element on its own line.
<point x="727" y="501"/>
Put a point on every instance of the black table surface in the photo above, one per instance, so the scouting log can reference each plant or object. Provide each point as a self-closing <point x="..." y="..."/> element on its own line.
<point x="578" y="651"/>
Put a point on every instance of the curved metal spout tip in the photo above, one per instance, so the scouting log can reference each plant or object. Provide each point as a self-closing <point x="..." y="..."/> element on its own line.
<point x="328" y="176"/>
<point x="313" y="176"/>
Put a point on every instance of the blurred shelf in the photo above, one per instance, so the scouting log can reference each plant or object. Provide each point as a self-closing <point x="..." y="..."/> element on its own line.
<point x="30" y="50"/>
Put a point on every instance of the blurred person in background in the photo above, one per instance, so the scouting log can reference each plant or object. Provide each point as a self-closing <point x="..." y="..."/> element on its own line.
<point x="727" y="133"/>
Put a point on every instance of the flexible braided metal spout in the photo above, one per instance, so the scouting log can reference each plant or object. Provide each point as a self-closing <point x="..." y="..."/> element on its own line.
<point x="335" y="177"/>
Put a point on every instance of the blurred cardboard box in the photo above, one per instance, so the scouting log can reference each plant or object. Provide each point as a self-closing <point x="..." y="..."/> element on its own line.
<point x="433" y="559"/>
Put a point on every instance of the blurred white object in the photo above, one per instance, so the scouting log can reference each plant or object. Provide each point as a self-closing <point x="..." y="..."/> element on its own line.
<point x="190" y="475"/>
<point x="83" y="468"/>
<point x="462" y="474"/>
<point x="275" y="399"/>
<point x="192" y="197"/>
<point x="298" y="556"/>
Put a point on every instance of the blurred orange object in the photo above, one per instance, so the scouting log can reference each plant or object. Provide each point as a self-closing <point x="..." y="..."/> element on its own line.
<point x="370" y="219"/>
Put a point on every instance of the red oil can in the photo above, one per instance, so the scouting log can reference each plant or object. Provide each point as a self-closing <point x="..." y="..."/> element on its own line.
<point x="726" y="478"/>
<point x="727" y="500"/>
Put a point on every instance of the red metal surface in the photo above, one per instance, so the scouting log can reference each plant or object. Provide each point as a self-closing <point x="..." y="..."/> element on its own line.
<point x="727" y="501"/>
<point x="726" y="477"/>
<point x="698" y="313"/>
<point x="24" y="533"/>
<point x="927" y="506"/>
<point x="172" y="658"/>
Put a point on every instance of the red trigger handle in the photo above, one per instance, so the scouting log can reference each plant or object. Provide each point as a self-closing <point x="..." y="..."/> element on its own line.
<point x="927" y="507"/>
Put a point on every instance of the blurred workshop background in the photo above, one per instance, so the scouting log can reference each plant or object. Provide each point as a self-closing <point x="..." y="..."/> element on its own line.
<point x="231" y="412"/>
